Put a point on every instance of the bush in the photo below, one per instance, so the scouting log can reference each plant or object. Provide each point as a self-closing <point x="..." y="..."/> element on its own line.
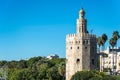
<point x="93" y="75"/>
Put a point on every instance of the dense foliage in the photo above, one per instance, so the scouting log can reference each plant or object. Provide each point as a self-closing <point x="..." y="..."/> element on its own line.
<point x="93" y="75"/>
<point x="36" y="68"/>
<point x="40" y="68"/>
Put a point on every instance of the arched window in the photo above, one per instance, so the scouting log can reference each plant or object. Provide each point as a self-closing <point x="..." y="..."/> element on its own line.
<point x="78" y="60"/>
<point x="85" y="47"/>
<point x="78" y="47"/>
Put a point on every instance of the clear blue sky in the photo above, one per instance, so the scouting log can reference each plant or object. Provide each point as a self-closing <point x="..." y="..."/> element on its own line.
<point x="31" y="28"/>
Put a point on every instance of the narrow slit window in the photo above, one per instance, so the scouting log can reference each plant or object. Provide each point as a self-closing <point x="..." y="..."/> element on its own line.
<point x="93" y="62"/>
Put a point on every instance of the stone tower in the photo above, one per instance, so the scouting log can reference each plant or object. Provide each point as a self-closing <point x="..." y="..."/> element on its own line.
<point x="81" y="49"/>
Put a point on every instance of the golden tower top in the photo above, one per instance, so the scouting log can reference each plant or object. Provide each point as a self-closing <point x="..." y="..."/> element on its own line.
<point x="82" y="13"/>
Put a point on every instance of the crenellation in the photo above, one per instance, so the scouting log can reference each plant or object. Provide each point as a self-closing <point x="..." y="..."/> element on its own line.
<point x="93" y="36"/>
<point x="71" y="35"/>
<point x="88" y="35"/>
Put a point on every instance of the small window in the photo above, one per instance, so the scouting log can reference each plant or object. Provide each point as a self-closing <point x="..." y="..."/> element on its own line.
<point x="93" y="62"/>
<point x="78" y="47"/>
<point x="83" y="42"/>
<point x="86" y="41"/>
<point x="85" y="47"/>
<point x="78" y="60"/>
<point x="79" y="41"/>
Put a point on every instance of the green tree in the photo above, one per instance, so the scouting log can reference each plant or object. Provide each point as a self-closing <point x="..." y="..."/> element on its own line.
<point x="52" y="74"/>
<point x="87" y="75"/>
<point x="99" y="42"/>
<point x="35" y="71"/>
<point x="61" y="69"/>
<point x="116" y="35"/>
<point x="33" y="60"/>
<point x="104" y="39"/>
<point x="2" y="63"/>
<point x="22" y="64"/>
<point x="112" y="42"/>
<point x="42" y="71"/>
<point x="93" y="75"/>
<point x="22" y="74"/>
<point x="12" y="64"/>
<point x="36" y="68"/>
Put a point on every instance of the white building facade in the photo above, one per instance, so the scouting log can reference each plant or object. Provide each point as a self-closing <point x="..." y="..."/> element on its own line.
<point x="112" y="61"/>
<point x="53" y="56"/>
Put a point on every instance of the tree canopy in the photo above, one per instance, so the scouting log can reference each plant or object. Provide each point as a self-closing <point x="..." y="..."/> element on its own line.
<point x="35" y="68"/>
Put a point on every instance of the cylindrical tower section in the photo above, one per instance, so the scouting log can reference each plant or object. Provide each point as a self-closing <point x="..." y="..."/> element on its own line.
<point x="81" y="23"/>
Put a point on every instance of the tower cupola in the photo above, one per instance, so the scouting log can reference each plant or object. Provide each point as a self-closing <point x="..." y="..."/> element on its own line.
<point x="81" y="13"/>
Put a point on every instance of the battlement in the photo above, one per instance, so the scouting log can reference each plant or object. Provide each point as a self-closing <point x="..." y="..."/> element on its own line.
<point x="71" y="35"/>
<point x="88" y="35"/>
<point x="81" y="35"/>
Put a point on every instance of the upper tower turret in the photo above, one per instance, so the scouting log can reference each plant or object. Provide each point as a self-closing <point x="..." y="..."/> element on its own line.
<point x="81" y="13"/>
<point x="81" y="22"/>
